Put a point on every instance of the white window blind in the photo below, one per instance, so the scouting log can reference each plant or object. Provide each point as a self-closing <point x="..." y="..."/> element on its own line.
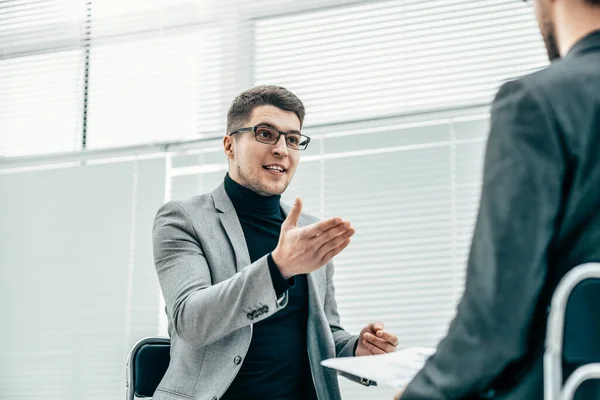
<point x="374" y="76"/>
<point x="114" y="18"/>
<point x="151" y="89"/>
<point x="31" y="26"/>
<point x="383" y="58"/>
<point x="76" y="73"/>
<point x="156" y="72"/>
<point x="40" y="70"/>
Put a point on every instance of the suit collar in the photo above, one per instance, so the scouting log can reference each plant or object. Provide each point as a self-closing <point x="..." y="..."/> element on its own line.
<point x="232" y="226"/>
<point x="224" y="205"/>
<point x="588" y="43"/>
<point x="222" y="202"/>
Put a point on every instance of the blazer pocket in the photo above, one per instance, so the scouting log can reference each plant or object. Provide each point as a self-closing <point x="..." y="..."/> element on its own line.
<point x="172" y="393"/>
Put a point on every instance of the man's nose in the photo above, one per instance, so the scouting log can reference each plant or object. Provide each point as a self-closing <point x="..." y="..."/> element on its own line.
<point x="280" y="148"/>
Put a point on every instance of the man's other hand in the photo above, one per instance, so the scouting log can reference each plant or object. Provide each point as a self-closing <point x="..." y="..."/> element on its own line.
<point x="374" y="339"/>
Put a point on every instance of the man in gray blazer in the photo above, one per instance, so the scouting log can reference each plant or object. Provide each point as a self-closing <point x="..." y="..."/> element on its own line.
<point x="539" y="217"/>
<point x="247" y="281"/>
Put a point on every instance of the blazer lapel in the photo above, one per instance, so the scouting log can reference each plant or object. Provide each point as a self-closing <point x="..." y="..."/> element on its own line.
<point x="232" y="226"/>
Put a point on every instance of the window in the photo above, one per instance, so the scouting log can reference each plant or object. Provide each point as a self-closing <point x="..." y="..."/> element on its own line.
<point x="155" y="87"/>
<point x="397" y="96"/>
<point x="387" y="58"/>
<point x="40" y="77"/>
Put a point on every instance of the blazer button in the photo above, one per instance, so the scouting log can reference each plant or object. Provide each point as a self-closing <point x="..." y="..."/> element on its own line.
<point x="237" y="360"/>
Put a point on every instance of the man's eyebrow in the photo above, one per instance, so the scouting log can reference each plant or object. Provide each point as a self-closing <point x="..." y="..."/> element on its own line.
<point x="269" y="125"/>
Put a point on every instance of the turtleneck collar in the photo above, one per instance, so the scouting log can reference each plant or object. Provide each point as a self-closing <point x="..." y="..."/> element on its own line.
<point x="246" y="201"/>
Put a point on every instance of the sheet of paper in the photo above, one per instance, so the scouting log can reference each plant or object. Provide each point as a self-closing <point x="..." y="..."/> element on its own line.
<point x="391" y="369"/>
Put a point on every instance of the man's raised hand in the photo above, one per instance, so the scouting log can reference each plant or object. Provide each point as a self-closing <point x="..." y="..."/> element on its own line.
<point x="304" y="250"/>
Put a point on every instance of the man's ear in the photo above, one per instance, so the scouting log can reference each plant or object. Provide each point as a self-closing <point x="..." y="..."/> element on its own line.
<point x="228" y="146"/>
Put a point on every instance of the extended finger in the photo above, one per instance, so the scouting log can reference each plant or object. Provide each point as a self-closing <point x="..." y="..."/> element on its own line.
<point x="342" y="230"/>
<point x="294" y="214"/>
<point x="318" y="228"/>
<point x="335" y="251"/>
<point x="380" y="343"/>
<point x="335" y="242"/>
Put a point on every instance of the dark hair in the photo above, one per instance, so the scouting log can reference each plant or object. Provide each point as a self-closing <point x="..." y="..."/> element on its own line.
<point x="242" y="106"/>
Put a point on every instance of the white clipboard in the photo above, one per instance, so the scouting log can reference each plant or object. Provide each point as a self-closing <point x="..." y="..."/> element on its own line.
<point x="392" y="369"/>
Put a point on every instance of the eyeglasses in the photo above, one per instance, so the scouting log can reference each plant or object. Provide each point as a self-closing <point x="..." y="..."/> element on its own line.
<point x="268" y="135"/>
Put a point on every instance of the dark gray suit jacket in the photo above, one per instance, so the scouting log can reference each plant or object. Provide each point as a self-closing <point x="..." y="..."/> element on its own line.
<point x="539" y="217"/>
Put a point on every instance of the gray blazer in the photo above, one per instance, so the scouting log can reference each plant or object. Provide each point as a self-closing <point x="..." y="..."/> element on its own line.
<point x="539" y="217"/>
<point x="214" y="294"/>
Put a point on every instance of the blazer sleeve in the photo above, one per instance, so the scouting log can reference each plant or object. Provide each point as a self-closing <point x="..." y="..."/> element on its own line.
<point x="345" y="343"/>
<point x="202" y="313"/>
<point x="521" y="196"/>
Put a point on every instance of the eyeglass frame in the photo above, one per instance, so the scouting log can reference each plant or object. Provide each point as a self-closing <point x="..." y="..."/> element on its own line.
<point x="255" y="130"/>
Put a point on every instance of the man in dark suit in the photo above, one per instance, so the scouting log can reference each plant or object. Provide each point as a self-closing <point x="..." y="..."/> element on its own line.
<point x="539" y="217"/>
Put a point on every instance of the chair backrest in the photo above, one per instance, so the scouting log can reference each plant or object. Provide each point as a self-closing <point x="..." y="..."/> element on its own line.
<point x="581" y="342"/>
<point x="573" y="336"/>
<point x="147" y="363"/>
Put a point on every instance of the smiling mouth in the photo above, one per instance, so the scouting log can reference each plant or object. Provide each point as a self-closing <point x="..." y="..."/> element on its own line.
<point x="274" y="168"/>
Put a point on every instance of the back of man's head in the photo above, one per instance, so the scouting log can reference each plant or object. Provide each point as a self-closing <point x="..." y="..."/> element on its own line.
<point x="242" y="106"/>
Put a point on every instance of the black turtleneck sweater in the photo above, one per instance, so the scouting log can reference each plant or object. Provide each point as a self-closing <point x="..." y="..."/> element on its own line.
<point x="276" y="366"/>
